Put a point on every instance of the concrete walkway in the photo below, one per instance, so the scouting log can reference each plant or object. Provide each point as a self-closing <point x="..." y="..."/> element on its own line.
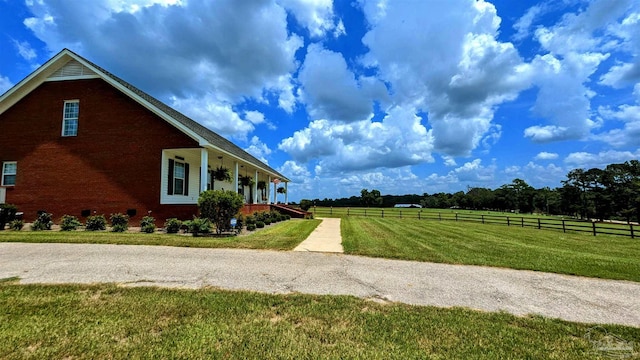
<point x="325" y="238"/>
<point x="518" y="292"/>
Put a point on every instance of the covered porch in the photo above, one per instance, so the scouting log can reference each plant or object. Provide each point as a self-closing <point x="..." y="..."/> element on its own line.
<point x="185" y="173"/>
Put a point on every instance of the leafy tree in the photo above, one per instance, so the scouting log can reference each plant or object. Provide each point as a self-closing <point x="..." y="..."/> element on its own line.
<point x="370" y="198"/>
<point x="305" y="204"/>
<point x="220" y="206"/>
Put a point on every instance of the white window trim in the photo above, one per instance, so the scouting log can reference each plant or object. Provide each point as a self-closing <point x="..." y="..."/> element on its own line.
<point x="183" y="178"/>
<point x="4" y="174"/>
<point x="64" y="117"/>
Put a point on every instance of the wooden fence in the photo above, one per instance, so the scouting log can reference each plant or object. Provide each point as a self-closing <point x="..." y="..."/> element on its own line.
<point x="560" y="224"/>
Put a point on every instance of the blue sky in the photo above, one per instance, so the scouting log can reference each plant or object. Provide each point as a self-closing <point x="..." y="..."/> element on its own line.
<point x="400" y="96"/>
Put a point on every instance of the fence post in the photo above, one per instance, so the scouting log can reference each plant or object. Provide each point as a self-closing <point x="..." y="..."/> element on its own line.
<point x="564" y="230"/>
<point x="331" y="211"/>
<point x="508" y="221"/>
<point x="348" y="211"/>
<point x="365" y="212"/>
<point x="522" y="221"/>
<point x="419" y="212"/>
<point x="482" y="216"/>
<point x="400" y="214"/>
<point x="382" y="212"/>
<point x="440" y="217"/>
<point x="456" y="216"/>
<point x="593" y="223"/>
<point x="538" y="223"/>
<point x="631" y="228"/>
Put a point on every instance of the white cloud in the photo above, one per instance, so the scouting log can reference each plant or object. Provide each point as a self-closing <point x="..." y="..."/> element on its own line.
<point x="25" y="50"/>
<point x="216" y="115"/>
<point x="399" y="140"/>
<point x="259" y="149"/>
<point x="523" y="25"/>
<point x="315" y="15"/>
<point x="454" y="68"/>
<point x="546" y="156"/>
<point x="296" y="172"/>
<point x="570" y="112"/>
<point x="331" y="90"/>
<point x="590" y="160"/>
<point x="5" y="84"/>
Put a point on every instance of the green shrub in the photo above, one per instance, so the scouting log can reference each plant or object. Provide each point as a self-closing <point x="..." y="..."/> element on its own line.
<point x="259" y="224"/>
<point x="172" y="226"/>
<point x="16" y="225"/>
<point x="267" y="221"/>
<point x="220" y="206"/>
<point x="250" y="220"/>
<point x="69" y="223"/>
<point x="251" y="227"/>
<point x="198" y="226"/>
<point x="43" y="222"/>
<point x="119" y="222"/>
<point x="96" y="223"/>
<point x="148" y="224"/>
<point x="287" y="217"/>
<point x="7" y="214"/>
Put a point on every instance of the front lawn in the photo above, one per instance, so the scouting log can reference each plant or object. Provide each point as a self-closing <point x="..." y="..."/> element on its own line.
<point x="280" y="236"/>
<point x="610" y="257"/>
<point x="106" y="321"/>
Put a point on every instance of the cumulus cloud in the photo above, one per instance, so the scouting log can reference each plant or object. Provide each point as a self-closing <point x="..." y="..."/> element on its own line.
<point x="236" y="50"/>
<point x="546" y="156"/>
<point x="296" y="172"/>
<point x="331" y="89"/>
<point x="458" y="75"/>
<point x="315" y="15"/>
<point x="398" y="140"/>
<point x="216" y="115"/>
<point x="576" y="47"/>
<point x="259" y="149"/>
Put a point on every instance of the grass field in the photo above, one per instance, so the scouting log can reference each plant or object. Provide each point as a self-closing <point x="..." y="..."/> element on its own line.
<point x="611" y="257"/>
<point x="105" y="321"/>
<point x="539" y="221"/>
<point x="280" y="236"/>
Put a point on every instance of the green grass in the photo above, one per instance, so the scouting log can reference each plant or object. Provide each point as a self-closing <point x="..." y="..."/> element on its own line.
<point x="105" y="321"/>
<point x="281" y="236"/>
<point x="611" y="257"/>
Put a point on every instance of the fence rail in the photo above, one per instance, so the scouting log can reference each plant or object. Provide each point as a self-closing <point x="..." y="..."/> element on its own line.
<point x="564" y="225"/>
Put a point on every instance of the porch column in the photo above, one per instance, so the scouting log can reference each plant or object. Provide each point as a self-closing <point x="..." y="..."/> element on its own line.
<point x="255" y="188"/>
<point x="269" y="191"/>
<point x="235" y="177"/>
<point x="204" y="167"/>
<point x="286" y="194"/>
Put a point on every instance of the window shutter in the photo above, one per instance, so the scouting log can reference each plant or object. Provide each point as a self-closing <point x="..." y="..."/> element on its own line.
<point x="186" y="179"/>
<point x="170" y="180"/>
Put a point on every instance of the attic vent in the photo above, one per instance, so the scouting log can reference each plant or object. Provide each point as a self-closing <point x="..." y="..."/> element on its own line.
<point x="72" y="68"/>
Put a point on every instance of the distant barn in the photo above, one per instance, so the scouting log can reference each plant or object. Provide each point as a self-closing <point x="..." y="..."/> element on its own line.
<point x="407" y="205"/>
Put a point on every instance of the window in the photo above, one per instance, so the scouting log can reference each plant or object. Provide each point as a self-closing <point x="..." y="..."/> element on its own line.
<point x="178" y="182"/>
<point x="9" y="171"/>
<point x="70" y="118"/>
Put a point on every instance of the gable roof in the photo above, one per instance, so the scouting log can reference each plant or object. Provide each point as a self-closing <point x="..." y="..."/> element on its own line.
<point x="55" y="68"/>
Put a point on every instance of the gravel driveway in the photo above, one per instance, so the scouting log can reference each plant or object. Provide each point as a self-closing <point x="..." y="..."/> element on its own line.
<point x="477" y="287"/>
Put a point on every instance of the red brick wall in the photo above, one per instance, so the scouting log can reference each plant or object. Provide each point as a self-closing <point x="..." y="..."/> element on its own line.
<point x="111" y="166"/>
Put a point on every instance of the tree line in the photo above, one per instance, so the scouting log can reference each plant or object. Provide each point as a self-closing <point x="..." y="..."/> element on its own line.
<point x="609" y="193"/>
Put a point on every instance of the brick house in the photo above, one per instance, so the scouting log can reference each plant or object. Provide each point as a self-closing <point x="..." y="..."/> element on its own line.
<point x="77" y="140"/>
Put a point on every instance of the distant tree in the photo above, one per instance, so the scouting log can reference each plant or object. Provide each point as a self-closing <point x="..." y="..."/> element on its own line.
<point x="305" y="204"/>
<point x="370" y="198"/>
